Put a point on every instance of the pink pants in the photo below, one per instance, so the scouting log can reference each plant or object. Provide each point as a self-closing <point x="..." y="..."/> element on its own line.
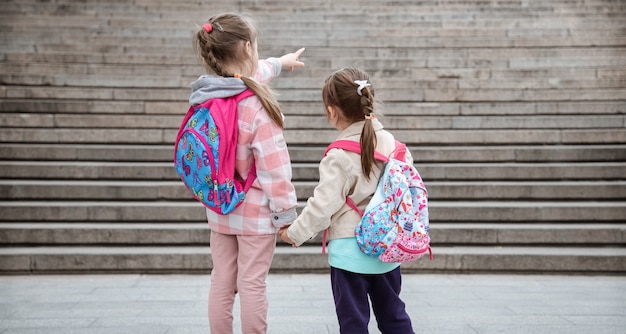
<point x="240" y="265"/>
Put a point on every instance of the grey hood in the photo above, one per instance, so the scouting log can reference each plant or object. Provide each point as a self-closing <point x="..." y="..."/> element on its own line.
<point x="212" y="86"/>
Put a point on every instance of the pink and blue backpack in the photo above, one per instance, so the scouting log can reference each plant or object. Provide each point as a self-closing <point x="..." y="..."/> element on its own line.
<point x="394" y="225"/>
<point x="204" y="154"/>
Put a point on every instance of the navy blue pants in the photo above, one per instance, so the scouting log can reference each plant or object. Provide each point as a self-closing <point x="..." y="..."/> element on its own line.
<point x="351" y="291"/>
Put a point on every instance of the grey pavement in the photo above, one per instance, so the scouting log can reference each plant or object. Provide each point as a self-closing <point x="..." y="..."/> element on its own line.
<point x="302" y="303"/>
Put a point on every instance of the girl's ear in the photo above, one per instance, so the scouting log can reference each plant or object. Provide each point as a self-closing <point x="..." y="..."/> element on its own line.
<point x="332" y="111"/>
<point x="248" y="48"/>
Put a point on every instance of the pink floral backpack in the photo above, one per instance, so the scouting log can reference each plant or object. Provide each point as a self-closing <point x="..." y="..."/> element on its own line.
<point x="394" y="225"/>
<point x="204" y="154"/>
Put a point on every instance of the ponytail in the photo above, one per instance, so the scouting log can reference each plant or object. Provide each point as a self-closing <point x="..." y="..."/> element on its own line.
<point x="368" y="135"/>
<point x="368" y="148"/>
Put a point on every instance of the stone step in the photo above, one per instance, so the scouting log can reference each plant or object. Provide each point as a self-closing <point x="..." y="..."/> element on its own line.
<point x="354" y="36"/>
<point x="192" y="211"/>
<point x="427" y="5"/>
<point x="588" y="234"/>
<point x="104" y="233"/>
<point x="416" y="94"/>
<point x="523" y="171"/>
<point x="421" y="154"/>
<point x="162" y="81"/>
<point x="16" y="55"/>
<point x="82" y="170"/>
<point x="438" y="190"/>
<point x="391" y="109"/>
<point x="529" y="21"/>
<point x="126" y="30"/>
<point x="324" y="136"/>
<point x="453" y="78"/>
<point x="179" y="259"/>
<point x="409" y="93"/>
<point x="501" y="62"/>
<point x="119" y="81"/>
<point x="519" y="58"/>
<point x="45" y="234"/>
<point x="413" y="14"/>
<point x="186" y="234"/>
<point x="436" y="64"/>
<point x="588" y="39"/>
<point x="191" y="5"/>
<point x="308" y="123"/>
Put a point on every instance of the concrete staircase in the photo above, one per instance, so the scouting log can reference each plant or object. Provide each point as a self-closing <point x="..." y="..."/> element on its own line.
<point x="514" y="112"/>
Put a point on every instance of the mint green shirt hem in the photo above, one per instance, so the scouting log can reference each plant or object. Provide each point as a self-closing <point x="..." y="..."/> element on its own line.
<point x="344" y="253"/>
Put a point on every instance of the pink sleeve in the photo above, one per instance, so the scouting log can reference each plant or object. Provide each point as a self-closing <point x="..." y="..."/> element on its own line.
<point x="267" y="70"/>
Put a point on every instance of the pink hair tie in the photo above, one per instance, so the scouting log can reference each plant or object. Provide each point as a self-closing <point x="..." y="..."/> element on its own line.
<point x="208" y="27"/>
<point x="370" y="116"/>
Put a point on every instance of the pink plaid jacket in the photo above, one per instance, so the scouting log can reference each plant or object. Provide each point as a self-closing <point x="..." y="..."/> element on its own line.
<point x="271" y="201"/>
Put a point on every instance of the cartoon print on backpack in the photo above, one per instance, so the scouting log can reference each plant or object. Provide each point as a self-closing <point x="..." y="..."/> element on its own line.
<point x="186" y="168"/>
<point x="205" y="127"/>
<point x="190" y="153"/>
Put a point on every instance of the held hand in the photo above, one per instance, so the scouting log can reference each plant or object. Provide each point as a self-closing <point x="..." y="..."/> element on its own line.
<point x="282" y="233"/>
<point x="292" y="60"/>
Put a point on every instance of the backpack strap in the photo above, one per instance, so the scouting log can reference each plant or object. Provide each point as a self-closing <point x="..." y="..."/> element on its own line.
<point x="252" y="173"/>
<point x="353" y="146"/>
<point x="246" y="93"/>
<point x="399" y="153"/>
<point x="350" y="145"/>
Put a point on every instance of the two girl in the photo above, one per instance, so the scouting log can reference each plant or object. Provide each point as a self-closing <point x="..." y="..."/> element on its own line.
<point x="243" y="242"/>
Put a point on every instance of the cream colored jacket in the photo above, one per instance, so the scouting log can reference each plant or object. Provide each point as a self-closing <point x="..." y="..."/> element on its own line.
<point x="341" y="176"/>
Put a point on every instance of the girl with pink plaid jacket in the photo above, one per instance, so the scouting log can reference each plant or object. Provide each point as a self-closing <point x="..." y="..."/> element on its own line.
<point x="243" y="242"/>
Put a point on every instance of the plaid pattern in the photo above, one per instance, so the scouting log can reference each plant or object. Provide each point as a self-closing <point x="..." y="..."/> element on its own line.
<point x="262" y="140"/>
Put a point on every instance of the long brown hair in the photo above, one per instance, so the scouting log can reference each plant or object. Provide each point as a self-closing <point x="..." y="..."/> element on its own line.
<point x="224" y="45"/>
<point x="340" y="90"/>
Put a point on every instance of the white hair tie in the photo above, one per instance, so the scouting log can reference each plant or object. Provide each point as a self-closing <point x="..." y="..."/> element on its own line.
<point x="362" y="84"/>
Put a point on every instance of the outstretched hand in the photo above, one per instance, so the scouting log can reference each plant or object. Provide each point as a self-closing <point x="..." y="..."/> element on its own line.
<point x="282" y="233"/>
<point x="292" y="60"/>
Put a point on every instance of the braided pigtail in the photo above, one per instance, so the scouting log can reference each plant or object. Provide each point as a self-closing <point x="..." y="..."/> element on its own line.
<point x="368" y="135"/>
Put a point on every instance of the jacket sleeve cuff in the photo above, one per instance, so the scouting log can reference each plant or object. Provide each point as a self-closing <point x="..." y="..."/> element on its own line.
<point x="280" y="219"/>
<point x="297" y="237"/>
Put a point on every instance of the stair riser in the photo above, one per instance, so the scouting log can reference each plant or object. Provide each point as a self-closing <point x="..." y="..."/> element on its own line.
<point x="391" y="109"/>
<point x="35" y="190"/>
<point x="308" y="123"/>
<point x="421" y="154"/>
<point x="194" y="212"/>
<point x="201" y="235"/>
<point x="323" y="137"/>
<point x="51" y="236"/>
<point x="310" y="172"/>
<point x="181" y="263"/>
